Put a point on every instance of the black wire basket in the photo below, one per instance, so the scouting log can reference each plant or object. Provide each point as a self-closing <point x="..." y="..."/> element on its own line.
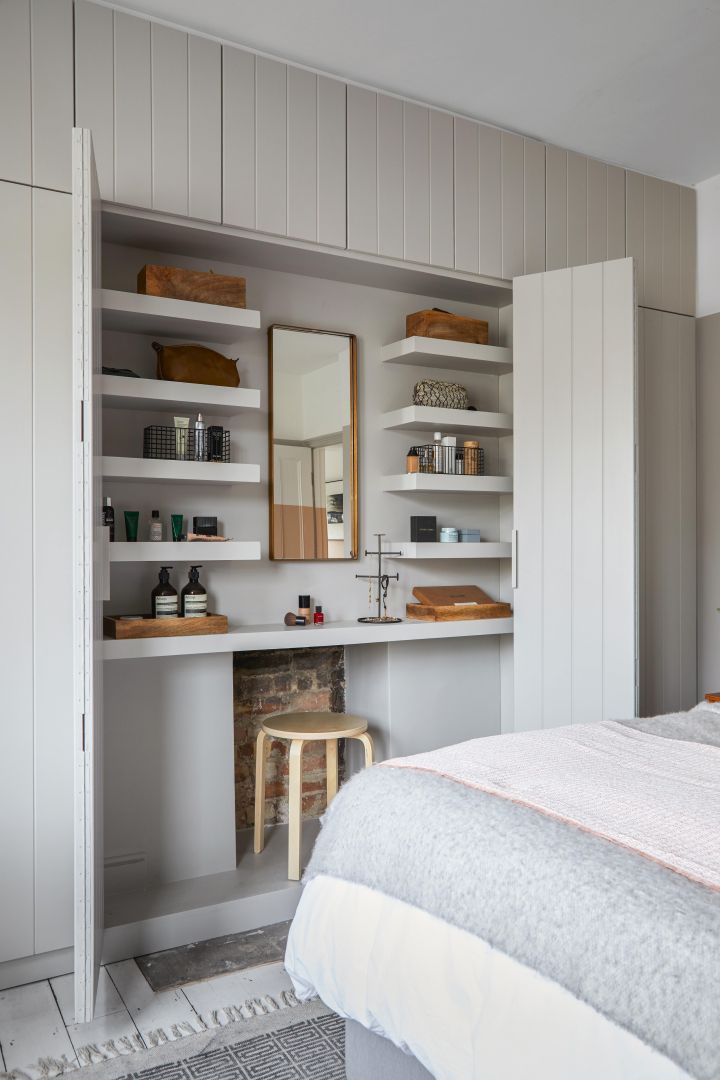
<point x="185" y="444"/>
<point x="451" y="460"/>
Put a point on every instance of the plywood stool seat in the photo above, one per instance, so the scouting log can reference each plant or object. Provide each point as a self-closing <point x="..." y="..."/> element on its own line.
<point x="299" y="728"/>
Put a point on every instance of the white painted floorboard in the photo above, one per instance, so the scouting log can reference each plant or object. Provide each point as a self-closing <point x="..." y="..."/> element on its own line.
<point x="112" y="1031"/>
<point x="215" y="999"/>
<point x="160" y="1017"/>
<point x="32" y="1028"/>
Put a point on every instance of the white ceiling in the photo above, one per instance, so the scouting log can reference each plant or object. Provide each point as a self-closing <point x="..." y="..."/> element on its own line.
<point x="636" y="82"/>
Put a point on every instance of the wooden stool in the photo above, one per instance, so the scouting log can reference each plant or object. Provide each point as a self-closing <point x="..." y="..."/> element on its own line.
<point x="299" y="728"/>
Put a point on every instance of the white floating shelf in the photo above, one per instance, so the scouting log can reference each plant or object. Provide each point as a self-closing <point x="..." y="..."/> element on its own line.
<point x="122" y="392"/>
<point x="448" y="355"/>
<point x="178" y="472"/>
<point x="454" y="421"/>
<point x="250" y="638"/>
<point x="483" y="550"/>
<point x="136" y="313"/>
<point x="439" y="483"/>
<point x="166" y="551"/>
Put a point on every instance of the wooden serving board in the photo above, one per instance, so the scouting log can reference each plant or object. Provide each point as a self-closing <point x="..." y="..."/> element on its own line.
<point x="147" y="627"/>
<point x="199" y="285"/>
<point x="443" y="324"/>
<point x="447" y="595"/>
<point x="442" y="613"/>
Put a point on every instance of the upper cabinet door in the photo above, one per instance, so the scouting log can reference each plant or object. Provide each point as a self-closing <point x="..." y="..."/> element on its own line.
<point x="585" y="210"/>
<point x="661" y="237"/>
<point x="36" y="92"/>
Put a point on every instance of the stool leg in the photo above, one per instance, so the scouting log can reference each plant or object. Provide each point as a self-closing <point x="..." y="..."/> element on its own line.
<point x="260" y="792"/>
<point x="331" y="758"/>
<point x="295" y="809"/>
<point x="368" y="744"/>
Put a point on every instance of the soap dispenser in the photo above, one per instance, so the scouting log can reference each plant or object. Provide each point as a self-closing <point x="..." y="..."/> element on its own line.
<point x="164" y="597"/>
<point x="194" y="596"/>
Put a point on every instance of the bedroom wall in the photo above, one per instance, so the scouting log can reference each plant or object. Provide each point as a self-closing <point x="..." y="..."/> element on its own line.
<point x="708" y="448"/>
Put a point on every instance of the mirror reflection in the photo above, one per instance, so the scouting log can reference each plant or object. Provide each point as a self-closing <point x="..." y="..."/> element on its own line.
<point x="313" y="466"/>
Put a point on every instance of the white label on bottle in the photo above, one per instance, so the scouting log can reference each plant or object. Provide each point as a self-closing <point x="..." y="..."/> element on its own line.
<point x="195" y="605"/>
<point x="166" y="607"/>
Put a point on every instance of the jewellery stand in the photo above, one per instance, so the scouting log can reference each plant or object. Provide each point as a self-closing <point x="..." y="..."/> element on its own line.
<point x="383" y="581"/>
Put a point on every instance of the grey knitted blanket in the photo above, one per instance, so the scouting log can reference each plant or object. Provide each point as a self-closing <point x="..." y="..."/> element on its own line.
<point x="636" y="941"/>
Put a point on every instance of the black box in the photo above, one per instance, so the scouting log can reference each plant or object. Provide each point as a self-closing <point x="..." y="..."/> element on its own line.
<point x="205" y="526"/>
<point x="423" y="530"/>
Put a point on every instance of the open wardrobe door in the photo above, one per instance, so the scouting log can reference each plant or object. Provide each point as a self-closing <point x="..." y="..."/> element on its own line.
<point x="575" y="495"/>
<point x="88" y="574"/>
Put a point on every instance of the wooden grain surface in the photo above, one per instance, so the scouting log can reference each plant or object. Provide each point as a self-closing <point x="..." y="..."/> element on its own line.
<point x="446" y="613"/>
<point x="122" y="630"/>
<point x="203" y="286"/>
<point x="442" y="324"/>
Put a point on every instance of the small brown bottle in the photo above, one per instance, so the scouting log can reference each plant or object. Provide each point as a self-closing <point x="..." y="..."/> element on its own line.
<point x="194" y="596"/>
<point x="164" y="597"/>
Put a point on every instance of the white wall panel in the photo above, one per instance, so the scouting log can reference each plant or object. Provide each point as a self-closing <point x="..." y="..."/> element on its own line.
<point x="271" y="145"/>
<point x="577" y="209"/>
<point x="512" y="154"/>
<point x="556" y="196"/>
<point x="534" y="206"/>
<point x="390" y="177"/>
<point x="133" y="109"/>
<point x="52" y="91"/>
<point x="442" y="239"/>
<point x="416" y="168"/>
<point x="467" y="196"/>
<point x="597" y="211"/>
<point x="16" y="633"/>
<point x="653" y="241"/>
<point x="362" y="195"/>
<point x="15" y="92"/>
<point x="574" y="495"/>
<point x="238" y="68"/>
<point x="169" y="50"/>
<point x="332" y="162"/>
<point x="302" y="154"/>
<point x="94" y="90"/>
<point x="615" y="212"/>
<point x="490" y="194"/>
<point x="204" y="128"/>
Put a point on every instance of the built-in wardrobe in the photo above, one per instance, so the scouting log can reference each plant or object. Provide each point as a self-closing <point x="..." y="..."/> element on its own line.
<point x="357" y="206"/>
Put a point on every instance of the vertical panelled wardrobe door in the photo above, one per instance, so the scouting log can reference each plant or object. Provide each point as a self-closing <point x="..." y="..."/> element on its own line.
<point x="512" y="154"/>
<point x="169" y="50"/>
<point x="467" y="204"/>
<point x="577" y="209"/>
<point x="688" y="251"/>
<point x="442" y="237"/>
<point x="390" y="177"/>
<point x="302" y="154"/>
<point x="534" y="206"/>
<point x="16" y="633"/>
<point x="615" y="212"/>
<point x="332" y="162"/>
<point x="204" y="128"/>
<point x="238" y="105"/>
<point x="556" y="208"/>
<point x="653" y="241"/>
<point x="362" y="166"/>
<point x="416" y="170"/>
<point x="94" y="89"/>
<point x="51" y="25"/>
<point x="490" y="199"/>
<point x="133" y="104"/>
<point x="15" y="92"/>
<point x="271" y="146"/>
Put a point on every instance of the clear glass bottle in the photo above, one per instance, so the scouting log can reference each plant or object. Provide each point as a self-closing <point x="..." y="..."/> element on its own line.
<point x="156" y="529"/>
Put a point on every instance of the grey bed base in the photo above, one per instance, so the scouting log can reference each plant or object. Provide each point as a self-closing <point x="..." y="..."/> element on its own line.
<point x="370" y="1057"/>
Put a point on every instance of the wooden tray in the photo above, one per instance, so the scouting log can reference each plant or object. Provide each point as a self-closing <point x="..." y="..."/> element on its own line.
<point x="200" y="285"/>
<point x="433" y="323"/>
<point x="441" y="613"/>
<point x="147" y="627"/>
<point x="448" y="595"/>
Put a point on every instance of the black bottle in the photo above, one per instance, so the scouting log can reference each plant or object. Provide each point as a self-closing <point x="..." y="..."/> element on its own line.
<point x="194" y="596"/>
<point x="164" y="597"/>
<point x="109" y="517"/>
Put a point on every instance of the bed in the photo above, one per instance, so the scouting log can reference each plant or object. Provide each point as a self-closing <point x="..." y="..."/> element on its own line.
<point x="542" y="905"/>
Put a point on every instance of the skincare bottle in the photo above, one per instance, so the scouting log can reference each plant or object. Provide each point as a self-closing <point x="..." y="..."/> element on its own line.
<point x="164" y="597"/>
<point x="200" y="439"/>
<point x="156" y="529"/>
<point x="412" y="464"/>
<point x="182" y="426"/>
<point x="304" y="607"/>
<point x="109" y="517"/>
<point x="194" y="596"/>
<point x="319" y="616"/>
<point x="437" y="457"/>
<point x="448" y="453"/>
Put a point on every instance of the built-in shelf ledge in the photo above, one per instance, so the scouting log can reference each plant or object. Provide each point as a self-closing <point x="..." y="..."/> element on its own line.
<point x="447" y="483"/>
<point x="250" y="638"/>
<point x="147" y="470"/>
<point x="122" y="392"/>
<point x="452" y="421"/>
<point x="165" y="551"/>
<point x="483" y="550"/>
<point x="448" y="355"/>
<point x="136" y="313"/>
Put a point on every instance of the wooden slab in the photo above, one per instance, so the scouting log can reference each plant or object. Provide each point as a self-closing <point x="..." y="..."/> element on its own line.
<point x="447" y="595"/>
<point x="200" y="285"/>
<point x="434" y="323"/>
<point x="123" y="629"/>
<point x="440" y="613"/>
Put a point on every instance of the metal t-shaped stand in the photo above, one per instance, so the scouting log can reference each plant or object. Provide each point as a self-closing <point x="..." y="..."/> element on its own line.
<point x="383" y="580"/>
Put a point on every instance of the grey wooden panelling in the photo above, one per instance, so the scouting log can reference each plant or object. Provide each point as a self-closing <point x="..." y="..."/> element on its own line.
<point x="271" y="146"/>
<point x="15" y="92"/>
<point x="585" y="201"/>
<point x="332" y="162"/>
<point x="708" y="504"/>
<point x="416" y="173"/>
<point x="556" y="219"/>
<point x="362" y="212"/>
<point x="16" y="634"/>
<point x="577" y="209"/>
<point x="204" y="128"/>
<point x="661" y="237"/>
<point x="94" y="91"/>
<point x="238" y="137"/>
<point x="467" y="198"/>
<point x="667" y="470"/>
<point x="534" y="206"/>
<point x="442" y="240"/>
<point x="133" y="110"/>
<point x="512" y="209"/>
<point x="390" y="177"/>
<point x="169" y="51"/>
<point x="574" y="494"/>
<point x="302" y="151"/>
<point x="490" y="252"/>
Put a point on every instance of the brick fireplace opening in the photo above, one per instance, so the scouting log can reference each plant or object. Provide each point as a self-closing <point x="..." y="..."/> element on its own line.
<point x="287" y="680"/>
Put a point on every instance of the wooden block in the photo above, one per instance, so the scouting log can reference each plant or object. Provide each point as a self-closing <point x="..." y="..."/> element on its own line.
<point x="124" y="629"/>
<point x="713" y="696"/>
<point x="203" y="286"/>
<point x="442" y="613"/>
<point x="435" y="323"/>
<point x="448" y="595"/>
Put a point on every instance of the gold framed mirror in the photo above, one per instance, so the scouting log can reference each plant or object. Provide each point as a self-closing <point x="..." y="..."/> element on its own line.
<point x="312" y="395"/>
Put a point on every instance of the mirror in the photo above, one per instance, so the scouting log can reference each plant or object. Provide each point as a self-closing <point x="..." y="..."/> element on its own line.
<point x="312" y="390"/>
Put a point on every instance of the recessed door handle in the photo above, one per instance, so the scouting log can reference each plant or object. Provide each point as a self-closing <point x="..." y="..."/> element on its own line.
<point x="514" y="554"/>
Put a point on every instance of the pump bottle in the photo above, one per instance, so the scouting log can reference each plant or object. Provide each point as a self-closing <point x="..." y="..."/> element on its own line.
<point x="194" y="596"/>
<point x="165" y="597"/>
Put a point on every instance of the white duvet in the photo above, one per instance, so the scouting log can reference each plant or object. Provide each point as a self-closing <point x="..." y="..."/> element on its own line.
<point x="464" y="1009"/>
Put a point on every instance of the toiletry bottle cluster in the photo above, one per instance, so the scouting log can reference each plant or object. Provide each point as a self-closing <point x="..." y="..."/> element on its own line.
<point x="303" y="615"/>
<point x="192" y="602"/>
<point x="204" y="527"/>
<point x="444" y="456"/>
